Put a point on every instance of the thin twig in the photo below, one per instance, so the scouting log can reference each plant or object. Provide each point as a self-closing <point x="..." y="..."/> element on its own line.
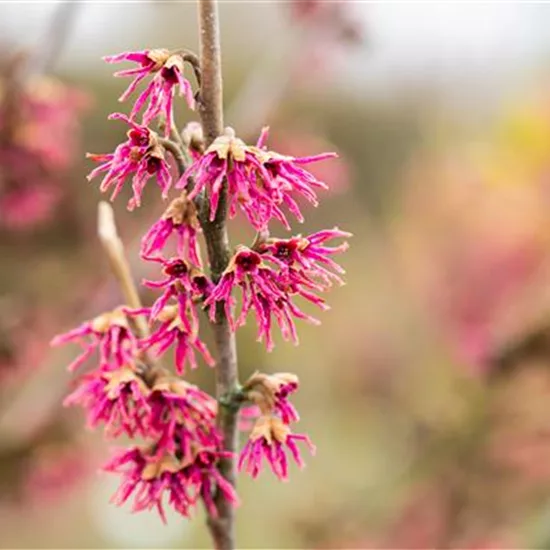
<point x="221" y="527"/>
<point x="193" y="60"/>
<point x="176" y="152"/>
<point x="108" y="235"/>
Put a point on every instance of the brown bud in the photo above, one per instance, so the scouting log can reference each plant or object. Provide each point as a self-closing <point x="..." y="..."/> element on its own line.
<point x="193" y="136"/>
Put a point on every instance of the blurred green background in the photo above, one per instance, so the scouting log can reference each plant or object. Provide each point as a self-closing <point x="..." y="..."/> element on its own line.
<point x="426" y="387"/>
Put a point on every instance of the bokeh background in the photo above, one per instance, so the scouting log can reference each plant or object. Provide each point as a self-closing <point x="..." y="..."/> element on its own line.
<point x="426" y="388"/>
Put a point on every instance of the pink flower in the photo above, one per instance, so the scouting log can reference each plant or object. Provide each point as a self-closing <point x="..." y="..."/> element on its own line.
<point x="179" y="218"/>
<point x="246" y="270"/>
<point x="150" y="61"/>
<point x="229" y="157"/>
<point x="284" y="384"/>
<point x="141" y="157"/>
<point x="337" y="174"/>
<point x="269" y="438"/>
<point x="259" y="182"/>
<point x="308" y="254"/>
<point x="263" y="291"/>
<point x="206" y="478"/>
<point x="182" y="416"/>
<point x="270" y="393"/>
<point x="185" y="284"/>
<point x="173" y="330"/>
<point x="148" y="478"/>
<point x="117" y="398"/>
<point x="168" y="77"/>
<point x="286" y="178"/>
<point x="110" y="333"/>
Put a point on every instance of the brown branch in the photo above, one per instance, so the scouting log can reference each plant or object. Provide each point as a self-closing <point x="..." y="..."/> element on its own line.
<point x="221" y="527"/>
<point x="175" y="150"/>
<point x="108" y="235"/>
<point x="194" y="61"/>
<point x="149" y="368"/>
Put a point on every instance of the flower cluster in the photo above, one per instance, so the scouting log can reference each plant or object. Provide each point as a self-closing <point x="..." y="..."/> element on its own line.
<point x="142" y="156"/>
<point x="166" y="69"/>
<point x="180" y="219"/>
<point x="128" y="395"/>
<point x="259" y="182"/>
<point x="271" y="277"/>
<point x="129" y="392"/>
<point x="184" y="480"/>
<point x="271" y="435"/>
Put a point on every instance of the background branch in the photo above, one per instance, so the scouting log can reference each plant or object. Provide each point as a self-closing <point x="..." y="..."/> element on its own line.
<point x="54" y="40"/>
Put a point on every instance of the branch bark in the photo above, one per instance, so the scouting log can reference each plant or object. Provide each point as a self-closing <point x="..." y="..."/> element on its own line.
<point x="222" y="527"/>
<point x="112" y="244"/>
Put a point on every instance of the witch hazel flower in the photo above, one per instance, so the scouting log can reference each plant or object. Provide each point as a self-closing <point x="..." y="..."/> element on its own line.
<point x="110" y="333"/>
<point x="286" y="177"/>
<point x="247" y="271"/>
<point x="176" y="284"/>
<point x="179" y="219"/>
<point x="269" y="441"/>
<point x="173" y="331"/>
<point x="149" y="478"/>
<point x="167" y="69"/>
<point x="141" y="156"/>
<point x="118" y="399"/>
<point x="259" y="181"/>
<point x="270" y="392"/>
<point x="149" y="62"/>
<point x="229" y="157"/>
<point x="264" y="292"/>
<point x="181" y="416"/>
<point x="308" y="254"/>
<point x="184" y="283"/>
<point x="205" y="476"/>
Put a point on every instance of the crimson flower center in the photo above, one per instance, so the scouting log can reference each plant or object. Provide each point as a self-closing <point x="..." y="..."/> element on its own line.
<point x="153" y="165"/>
<point x="138" y="138"/>
<point x="176" y="268"/>
<point x="169" y="74"/>
<point x="248" y="261"/>
<point x="285" y="251"/>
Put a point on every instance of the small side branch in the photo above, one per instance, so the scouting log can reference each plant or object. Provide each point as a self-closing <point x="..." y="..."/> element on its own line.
<point x="108" y="235"/>
<point x="176" y="152"/>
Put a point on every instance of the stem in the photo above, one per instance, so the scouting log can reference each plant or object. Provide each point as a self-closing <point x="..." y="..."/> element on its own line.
<point x="222" y="527"/>
<point x="108" y="235"/>
<point x="176" y="152"/>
